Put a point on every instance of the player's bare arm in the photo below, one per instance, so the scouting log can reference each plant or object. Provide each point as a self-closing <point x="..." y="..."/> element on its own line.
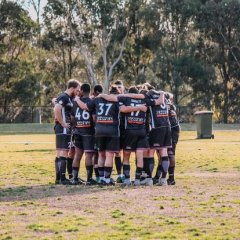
<point x="109" y="97"/>
<point x="160" y="100"/>
<point x="128" y="109"/>
<point x="132" y="95"/>
<point x="81" y="104"/>
<point x="58" y="115"/>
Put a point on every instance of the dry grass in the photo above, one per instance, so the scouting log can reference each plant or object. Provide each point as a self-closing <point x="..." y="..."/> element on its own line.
<point x="204" y="204"/>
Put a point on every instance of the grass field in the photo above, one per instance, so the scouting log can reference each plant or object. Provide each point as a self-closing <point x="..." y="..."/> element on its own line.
<point x="205" y="203"/>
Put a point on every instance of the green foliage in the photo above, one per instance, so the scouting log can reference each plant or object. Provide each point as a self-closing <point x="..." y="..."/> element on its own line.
<point x="190" y="48"/>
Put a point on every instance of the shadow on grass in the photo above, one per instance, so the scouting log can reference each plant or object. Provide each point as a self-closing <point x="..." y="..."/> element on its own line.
<point x="22" y="193"/>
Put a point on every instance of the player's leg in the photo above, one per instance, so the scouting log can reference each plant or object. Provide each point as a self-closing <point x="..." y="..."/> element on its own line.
<point x="101" y="147"/>
<point x="88" y="145"/>
<point x="108" y="167"/>
<point x="165" y="144"/>
<point x="112" y="147"/>
<point x="118" y="164"/>
<point x="89" y="168"/>
<point x="142" y="148"/>
<point x="172" y="154"/>
<point x="163" y="167"/>
<point x="62" y="145"/>
<point x="95" y="165"/>
<point x="78" y="143"/>
<point x="171" y="169"/>
<point x="57" y="168"/>
<point x="126" y="167"/>
<point x="70" y="157"/>
<point x="128" y="145"/>
<point x="139" y="168"/>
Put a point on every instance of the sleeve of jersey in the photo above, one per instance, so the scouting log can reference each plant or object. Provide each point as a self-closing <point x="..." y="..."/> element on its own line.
<point x="121" y="101"/>
<point x="62" y="100"/>
<point x="149" y="102"/>
<point x="91" y="104"/>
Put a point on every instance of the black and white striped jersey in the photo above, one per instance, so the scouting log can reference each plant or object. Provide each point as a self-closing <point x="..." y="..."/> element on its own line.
<point x="158" y="113"/>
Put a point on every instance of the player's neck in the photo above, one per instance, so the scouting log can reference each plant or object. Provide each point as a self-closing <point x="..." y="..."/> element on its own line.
<point x="85" y="95"/>
<point x="68" y="92"/>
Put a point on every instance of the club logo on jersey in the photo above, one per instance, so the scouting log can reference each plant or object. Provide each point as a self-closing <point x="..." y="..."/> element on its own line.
<point x="104" y="119"/>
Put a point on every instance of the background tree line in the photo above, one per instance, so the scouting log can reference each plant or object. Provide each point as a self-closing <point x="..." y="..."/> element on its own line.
<point x="190" y="48"/>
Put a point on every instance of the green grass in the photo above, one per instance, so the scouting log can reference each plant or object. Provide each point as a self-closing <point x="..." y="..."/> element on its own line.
<point x="23" y="128"/>
<point x="203" y="205"/>
<point x="36" y="128"/>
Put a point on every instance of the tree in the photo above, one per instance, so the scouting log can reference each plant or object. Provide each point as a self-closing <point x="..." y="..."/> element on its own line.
<point x="18" y="83"/>
<point x="219" y="24"/>
<point x="99" y="29"/>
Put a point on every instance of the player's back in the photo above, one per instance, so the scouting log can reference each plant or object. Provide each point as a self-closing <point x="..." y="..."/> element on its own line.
<point x="107" y="118"/>
<point x="82" y="119"/>
<point x="133" y="120"/>
<point x="159" y="113"/>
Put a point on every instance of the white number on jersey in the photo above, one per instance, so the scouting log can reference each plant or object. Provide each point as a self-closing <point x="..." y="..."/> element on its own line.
<point x="101" y="108"/>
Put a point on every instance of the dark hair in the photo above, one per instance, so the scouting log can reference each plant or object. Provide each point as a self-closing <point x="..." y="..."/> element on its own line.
<point x="114" y="90"/>
<point x="133" y="89"/>
<point x="73" y="83"/>
<point x="143" y="91"/>
<point x="118" y="82"/>
<point x="98" y="89"/>
<point x="85" y="88"/>
<point x="139" y="86"/>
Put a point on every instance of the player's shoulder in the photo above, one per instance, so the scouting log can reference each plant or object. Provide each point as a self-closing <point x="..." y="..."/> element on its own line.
<point x="86" y="99"/>
<point x="62" y="98"/>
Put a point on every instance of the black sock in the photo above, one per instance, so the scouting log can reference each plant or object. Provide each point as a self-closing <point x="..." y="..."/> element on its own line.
<point x="96" y="172"/>
<point x="75" y="171"/>
<point x="107" y="172"/>
<point x="126" y="171"/>
<point x="138" y="173"/>
<point x="165" y="166"/>
<point x="171" y="170"/>
<point x="69" y="167"/>
<point x="101" y="171"/>
<point x="118" y="164"/>
<point x="151" y="166"/>
<point x="63" y="164"/>
<point x="89" y="172"/>
<point x="145" y="165"/>
<point x="57" y="168"/>
<point x="158" y="172"/>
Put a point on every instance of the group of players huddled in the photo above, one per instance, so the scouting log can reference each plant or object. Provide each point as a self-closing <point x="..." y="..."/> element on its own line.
<point x="108" y="127"/>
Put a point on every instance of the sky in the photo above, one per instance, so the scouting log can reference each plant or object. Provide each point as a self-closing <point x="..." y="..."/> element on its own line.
<point x="31" y="11"/>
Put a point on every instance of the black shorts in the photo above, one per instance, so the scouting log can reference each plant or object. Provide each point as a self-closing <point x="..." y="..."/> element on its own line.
<point x="63" y="141"/>
<point x="160" y="138"/>
<point x="85" y="143"/>
<point x="58" y="129"/>
<point x="109" y="144"/>
<point x="121" y="138"/>
<point x="133" y="141"/>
